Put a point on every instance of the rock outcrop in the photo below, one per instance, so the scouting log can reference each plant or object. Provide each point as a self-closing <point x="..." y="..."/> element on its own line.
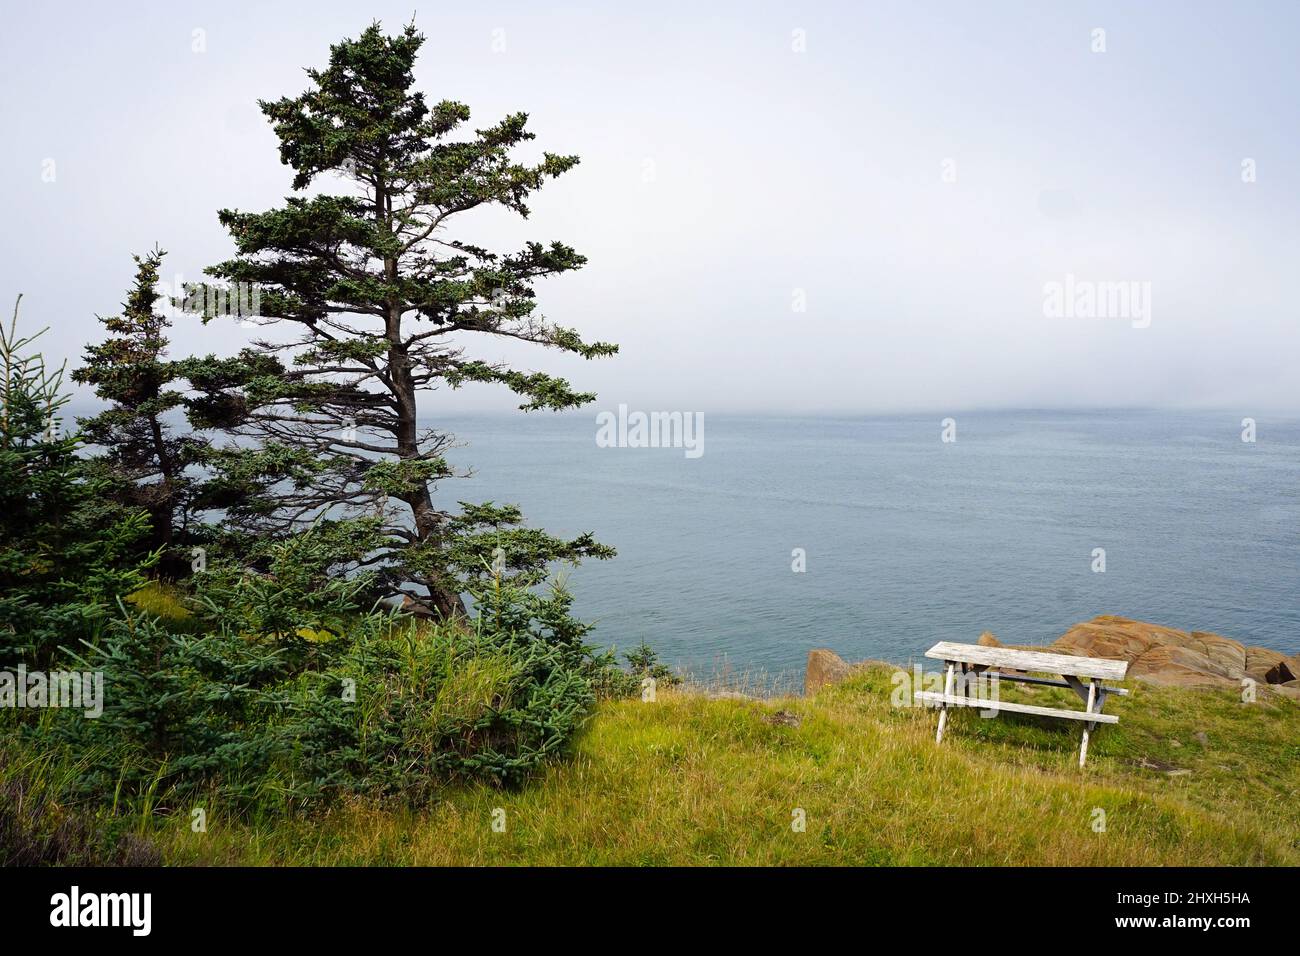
<point x="1157" y="654"/>
<point x="826" y="667"/>
<point x="1166" y="655"/>
<point x="1119" y="638"/>
<point x="1270" y="667"/>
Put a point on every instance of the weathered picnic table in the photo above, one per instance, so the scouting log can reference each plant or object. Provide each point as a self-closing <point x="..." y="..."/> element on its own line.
<point x="997" y="661"/>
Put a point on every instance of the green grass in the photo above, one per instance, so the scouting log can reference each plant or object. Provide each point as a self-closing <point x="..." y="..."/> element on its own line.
<point x="164" y="601"/>
<point x="693" y="780"/>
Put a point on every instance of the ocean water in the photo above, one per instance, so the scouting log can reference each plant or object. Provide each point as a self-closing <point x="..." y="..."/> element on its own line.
<point x="909" y="540"/>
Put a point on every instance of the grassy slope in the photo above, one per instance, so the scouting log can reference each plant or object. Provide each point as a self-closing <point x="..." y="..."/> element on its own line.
<point x="692" y="780"/>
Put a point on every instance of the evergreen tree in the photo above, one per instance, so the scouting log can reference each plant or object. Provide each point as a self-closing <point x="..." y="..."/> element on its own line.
<point x="383" y="302"/>
<point x="67" y="550"/>
<point x="147" y="465"/>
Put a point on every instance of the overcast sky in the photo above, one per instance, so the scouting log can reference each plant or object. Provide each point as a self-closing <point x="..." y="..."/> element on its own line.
<point x="913" y="174"/>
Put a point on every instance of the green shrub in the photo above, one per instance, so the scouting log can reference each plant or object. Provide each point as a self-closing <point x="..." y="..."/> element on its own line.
<point x="614" y="683"/>
<point x="281" y="692"/>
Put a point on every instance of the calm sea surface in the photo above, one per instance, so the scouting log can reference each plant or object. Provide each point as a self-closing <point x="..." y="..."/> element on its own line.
<point x="909" y="540"/>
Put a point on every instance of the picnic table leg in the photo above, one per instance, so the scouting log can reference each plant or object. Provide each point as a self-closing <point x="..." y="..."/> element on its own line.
<point x="1092" y="697"/>
<point x="943" y="707"/>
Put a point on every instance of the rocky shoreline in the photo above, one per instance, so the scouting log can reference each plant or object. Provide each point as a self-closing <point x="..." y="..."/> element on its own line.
<point x="1156" y="654"/>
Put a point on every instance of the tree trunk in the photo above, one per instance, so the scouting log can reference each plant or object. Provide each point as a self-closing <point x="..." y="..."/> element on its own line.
<point x="166" y="508"/>
<point x="443" y="595"/>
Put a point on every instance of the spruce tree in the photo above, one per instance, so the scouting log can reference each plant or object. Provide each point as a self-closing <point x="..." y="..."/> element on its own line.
<point x="68" y="551"/>
<point x="147" y="464"/>
<point x="383" y="302"/>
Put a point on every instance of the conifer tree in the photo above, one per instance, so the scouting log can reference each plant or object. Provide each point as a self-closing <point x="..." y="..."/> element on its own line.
<point x="147" y="464"/>
<point x="383" y="302"/>
<point x="68" y="551"/>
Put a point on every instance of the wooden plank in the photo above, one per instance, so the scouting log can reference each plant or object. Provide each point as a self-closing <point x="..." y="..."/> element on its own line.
<point x="1085" y="693"/>
<point x="1087" y="728"/>
<point x="1030" y="660"/>
<point x="943" y="713"/>
<point x="951" y="699"/>
<point x="1026" y="679"/>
